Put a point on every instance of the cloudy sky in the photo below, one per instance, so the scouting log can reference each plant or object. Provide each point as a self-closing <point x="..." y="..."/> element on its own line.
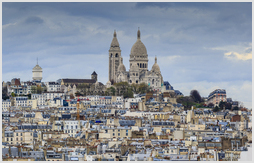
<point x="201" y="46"/>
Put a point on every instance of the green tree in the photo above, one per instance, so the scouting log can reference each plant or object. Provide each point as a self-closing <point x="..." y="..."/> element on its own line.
<point x="228" y="106"/>
<point x="39" y="90"/>
<point x="33" y="89"/>
<point x="222" y="104"/>
<point x="143" y="88"/>
<point x="196" y="96"/>
<point x="128" y="93"/>
<point x="13" y="94"/>
<point x="29" y="96"/>
<point x="134" y="87"/>
<point x="216" y="109"/>
<point x="110" y="91"/>
<point x="121" y="88"/>
<point x="186" y="101"/>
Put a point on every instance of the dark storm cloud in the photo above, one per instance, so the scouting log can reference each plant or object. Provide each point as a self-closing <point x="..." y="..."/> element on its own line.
<point x="34" y="20"/>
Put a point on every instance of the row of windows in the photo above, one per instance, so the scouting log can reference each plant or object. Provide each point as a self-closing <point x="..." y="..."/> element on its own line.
<point x="71" y="127"/>
<point x="17" y="139"/>
<point x="71" y="122"/>
<point x="68" y="131"/>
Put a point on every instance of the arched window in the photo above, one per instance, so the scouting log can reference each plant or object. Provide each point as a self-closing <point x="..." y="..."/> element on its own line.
<point x="153" y="81"/>
<point x="138" y="64"/>
<point x="116" y="54"/>
<point x="136" y="81"/>
<point x="143" y="65"/>
<point x="130" y="81"/>
<point x="111" y="55"/>
<point x="136" y="74"/>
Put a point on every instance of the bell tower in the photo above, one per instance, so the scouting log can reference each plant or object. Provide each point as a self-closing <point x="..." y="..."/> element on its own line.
<point x="114" y="58"/>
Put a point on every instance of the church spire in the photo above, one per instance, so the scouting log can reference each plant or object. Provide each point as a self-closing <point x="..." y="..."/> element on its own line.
<point x="114" y="42"/>
<point x="155" y="59"/>
<point x="114" y="33"/>
<point x="138" y="34"/>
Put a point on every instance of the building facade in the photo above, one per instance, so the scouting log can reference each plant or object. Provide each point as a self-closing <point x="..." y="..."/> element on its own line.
<point x="138" y="72"/>
<point x="216" y="96"/>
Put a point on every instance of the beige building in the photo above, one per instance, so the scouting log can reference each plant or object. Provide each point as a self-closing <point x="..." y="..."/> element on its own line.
<point x="18" y="137"/>
<point x="119" y="132"/>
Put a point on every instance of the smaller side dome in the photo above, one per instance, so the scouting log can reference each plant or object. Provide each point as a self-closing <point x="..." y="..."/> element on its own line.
<point x="121" y="67"/>
<point x="156" y="67"/>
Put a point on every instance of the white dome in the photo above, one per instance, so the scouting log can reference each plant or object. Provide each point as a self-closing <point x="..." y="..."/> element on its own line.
<point x="156" y="67"/>
<point x="138" y="49"/>
<point x="121" y="68"/>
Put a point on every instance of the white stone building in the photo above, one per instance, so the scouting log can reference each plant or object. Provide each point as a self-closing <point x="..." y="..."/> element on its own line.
<point x="138" y="72"/>
<point x="37" y="73"/>
<point x="53" y="86"/>
<point x="71" y="127"/>
<point x="6" y="104"/>
<point x="41" y="99"/>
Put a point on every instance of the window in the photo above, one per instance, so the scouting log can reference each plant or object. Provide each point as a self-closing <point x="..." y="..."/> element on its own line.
<point x="116" y="54"/>
<point x="113" y="134"/>
<point x="20" y="134"/>
<point x="21" y="139"/>
<point x="17" y="134"/>
<point x="118" y="134"/>
<point x="7" y="139"/>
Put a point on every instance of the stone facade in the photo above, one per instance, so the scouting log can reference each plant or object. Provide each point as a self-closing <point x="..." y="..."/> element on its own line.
<point x="138" y="72"/>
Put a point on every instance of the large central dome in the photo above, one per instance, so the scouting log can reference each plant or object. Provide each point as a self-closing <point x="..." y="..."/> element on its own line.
<point x="138" y="49"/>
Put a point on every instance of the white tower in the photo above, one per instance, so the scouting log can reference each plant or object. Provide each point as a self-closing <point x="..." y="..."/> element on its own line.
<point x="114" y="58"/>
<point x="37" y="72"/>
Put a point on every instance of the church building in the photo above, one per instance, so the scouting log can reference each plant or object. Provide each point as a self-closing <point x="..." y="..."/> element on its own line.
<point x="138" y="72"/>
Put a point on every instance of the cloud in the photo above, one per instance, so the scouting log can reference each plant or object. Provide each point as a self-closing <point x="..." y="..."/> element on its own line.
<point x="34" y="20"/>
<point x="72" y="40"/>
<point x="241" y="51"/>
<point x="235" y="55"/>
